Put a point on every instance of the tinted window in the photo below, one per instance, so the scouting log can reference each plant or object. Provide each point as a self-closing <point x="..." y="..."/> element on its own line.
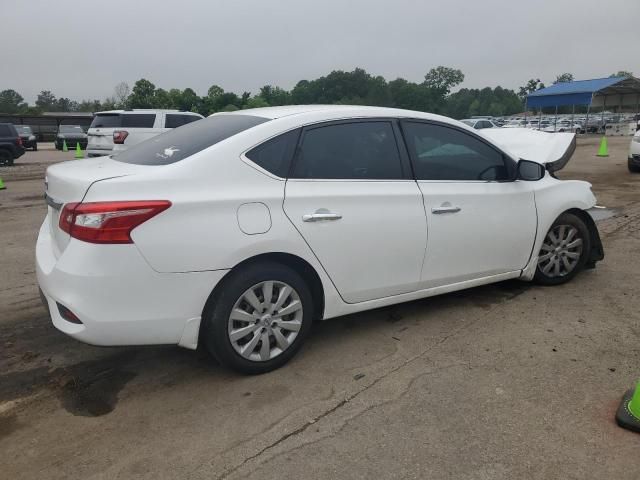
<point x="71" y="129"/>
<point x="138" y="120"/>
<point x="181" y="143"/>
<point x="443" y="153"/>
<point x="363" y="150"/>
<point x="5" y="131"/>
<point x="106" y="120"/>
<point x="24" y="129"/>
<point x="121" y="120"/>
<point x="275" y="155"/>
<point x="175" y="120"/>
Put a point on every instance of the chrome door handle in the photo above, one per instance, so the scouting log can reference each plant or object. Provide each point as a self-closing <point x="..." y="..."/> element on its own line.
<point x="441" y="210"/>
<point x="319" y="216"/>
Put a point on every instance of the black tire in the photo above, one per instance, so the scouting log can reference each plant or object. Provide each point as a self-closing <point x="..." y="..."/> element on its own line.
<point x="6" y="158"/>
<point x="215" y="333"/>
<point x="582" y="233"/>
<point x="632" y="167"/>
<point x="35" y="147"/>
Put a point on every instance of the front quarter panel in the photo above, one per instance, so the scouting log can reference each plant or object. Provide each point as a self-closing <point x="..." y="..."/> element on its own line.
<point x="554" y="197"/>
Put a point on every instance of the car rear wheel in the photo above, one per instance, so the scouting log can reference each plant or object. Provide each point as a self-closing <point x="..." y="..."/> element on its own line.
<point x="259" y="318"/>
<point x="564" y="251"/>
<point x="6" y="158"/>
<point x="633" y="168"/>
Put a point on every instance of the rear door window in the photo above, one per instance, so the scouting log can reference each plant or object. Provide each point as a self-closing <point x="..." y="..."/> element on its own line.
<point x="5" y="131"/>
<point x="138" y="120"/>
<point x="175" y="120"/>
<point x="355" y="150"/>
<point x="180" y="143"/>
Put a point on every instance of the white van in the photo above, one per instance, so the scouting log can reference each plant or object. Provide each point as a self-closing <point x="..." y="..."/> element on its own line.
<point x="116" y="130"/>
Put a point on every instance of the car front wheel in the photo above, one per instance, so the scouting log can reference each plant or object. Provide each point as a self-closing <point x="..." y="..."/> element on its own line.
<point x="259" y="318"/>
<point x="564" y="251"/>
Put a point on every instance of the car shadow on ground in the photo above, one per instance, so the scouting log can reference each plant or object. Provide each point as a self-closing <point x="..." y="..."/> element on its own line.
<point x="87" y="379"/>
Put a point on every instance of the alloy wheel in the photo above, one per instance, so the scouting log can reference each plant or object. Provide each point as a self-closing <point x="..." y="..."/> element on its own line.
<point x="265" y="320"/>
<point x="561" y="251"/>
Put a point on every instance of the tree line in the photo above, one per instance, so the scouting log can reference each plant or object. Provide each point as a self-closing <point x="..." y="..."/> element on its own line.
<point x="357" y="87"/>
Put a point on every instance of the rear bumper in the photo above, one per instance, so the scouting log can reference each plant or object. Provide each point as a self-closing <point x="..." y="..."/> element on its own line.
<point x="116" y="295"/>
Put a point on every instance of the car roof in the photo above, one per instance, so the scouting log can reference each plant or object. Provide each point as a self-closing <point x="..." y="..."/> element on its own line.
<point x="333" y="111"/>
<point x="148" y="110"/>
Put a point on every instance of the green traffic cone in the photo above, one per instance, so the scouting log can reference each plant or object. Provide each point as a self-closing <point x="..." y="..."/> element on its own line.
<point x="628" y="414"/>
<point x="64" y="146"/>
<point x="2" y="186"/>
<point x="603" y="151"/>
<point x="79" y="153"/>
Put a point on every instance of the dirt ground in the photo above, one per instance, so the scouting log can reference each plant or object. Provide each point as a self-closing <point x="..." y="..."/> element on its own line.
<point x="507" y="381"/>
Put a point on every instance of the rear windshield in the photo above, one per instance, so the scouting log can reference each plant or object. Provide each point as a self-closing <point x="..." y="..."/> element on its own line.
<point x="23" y="129"/>
<point x="182" y="142"/>
<point x="123" y="120"/>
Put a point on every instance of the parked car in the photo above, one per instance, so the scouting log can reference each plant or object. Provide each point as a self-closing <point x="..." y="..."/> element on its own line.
<point x="239" y="230"/>
<point x="479" y="123"/>
<point x="515" y="124"/>
<point x="634" y="153"/>
<point x="72" y="135"/>
<point x="10" y="144"/>
<point x="27" y="137"/>
<point x="116" y="130"/>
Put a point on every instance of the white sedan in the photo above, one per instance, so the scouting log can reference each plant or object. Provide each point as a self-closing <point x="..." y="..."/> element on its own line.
<point x="238" y="230"/>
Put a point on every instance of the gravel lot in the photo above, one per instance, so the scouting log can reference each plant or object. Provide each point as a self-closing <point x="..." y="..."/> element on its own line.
<point x="507" y="381"/>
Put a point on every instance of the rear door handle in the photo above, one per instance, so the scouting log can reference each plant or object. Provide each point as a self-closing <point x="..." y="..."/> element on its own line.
<point x="321" y="215"/>
<point x="443" y="209"/>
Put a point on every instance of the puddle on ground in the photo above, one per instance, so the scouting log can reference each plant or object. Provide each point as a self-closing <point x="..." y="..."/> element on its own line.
<point x="95" y="396"/>
<point x="88" y="388"/>
<point x="8" y="425"/>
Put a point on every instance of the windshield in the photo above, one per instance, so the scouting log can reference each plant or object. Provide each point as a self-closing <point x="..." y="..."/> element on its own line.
<point x="24" y="129"/>
<point x="71" y="129"/>
<point x="182" y="142"/>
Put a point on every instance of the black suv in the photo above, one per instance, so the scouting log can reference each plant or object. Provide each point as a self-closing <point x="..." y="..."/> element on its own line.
<point x="10" y="144"/>
<point x="27" y="136"/>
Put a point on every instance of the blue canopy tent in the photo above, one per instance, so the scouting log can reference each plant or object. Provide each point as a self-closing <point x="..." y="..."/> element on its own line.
<point x="604" y="92"/>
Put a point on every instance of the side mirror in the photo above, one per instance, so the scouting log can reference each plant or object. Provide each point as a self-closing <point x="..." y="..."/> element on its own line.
<point x="530" y="171"/>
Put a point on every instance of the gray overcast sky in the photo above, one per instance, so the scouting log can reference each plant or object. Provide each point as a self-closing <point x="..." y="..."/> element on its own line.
<point x="83" y="48"/>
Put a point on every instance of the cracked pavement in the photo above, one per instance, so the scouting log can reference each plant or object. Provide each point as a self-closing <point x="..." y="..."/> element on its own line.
<point x="504" y="381"/>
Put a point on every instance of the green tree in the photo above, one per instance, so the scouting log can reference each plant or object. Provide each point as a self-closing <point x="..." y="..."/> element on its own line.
<point x="256" y="102"/>
<point x="621" y="73"/>
<point x="214" y="91"/>
<point x="530" y="87"/>
<point x="142" y="95"/>
<point x="64" y="104"/>
<point x="564" y="78"/>
<point x="443" y="79"/>
<point x="46" y="100"/>
<point x="275" y="95"/>
<point x="11" y="102"/>
<point x="90" y="106"/>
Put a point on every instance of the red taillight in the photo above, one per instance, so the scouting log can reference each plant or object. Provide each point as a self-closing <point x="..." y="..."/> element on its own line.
<point x="108" y="222"/>
<point x="19" y="141"/>
<point x="119" y="136"/>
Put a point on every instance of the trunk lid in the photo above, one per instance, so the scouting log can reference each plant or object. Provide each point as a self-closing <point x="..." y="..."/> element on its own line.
<point x="69" y="182"/>
<point x="553" y="150"/>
